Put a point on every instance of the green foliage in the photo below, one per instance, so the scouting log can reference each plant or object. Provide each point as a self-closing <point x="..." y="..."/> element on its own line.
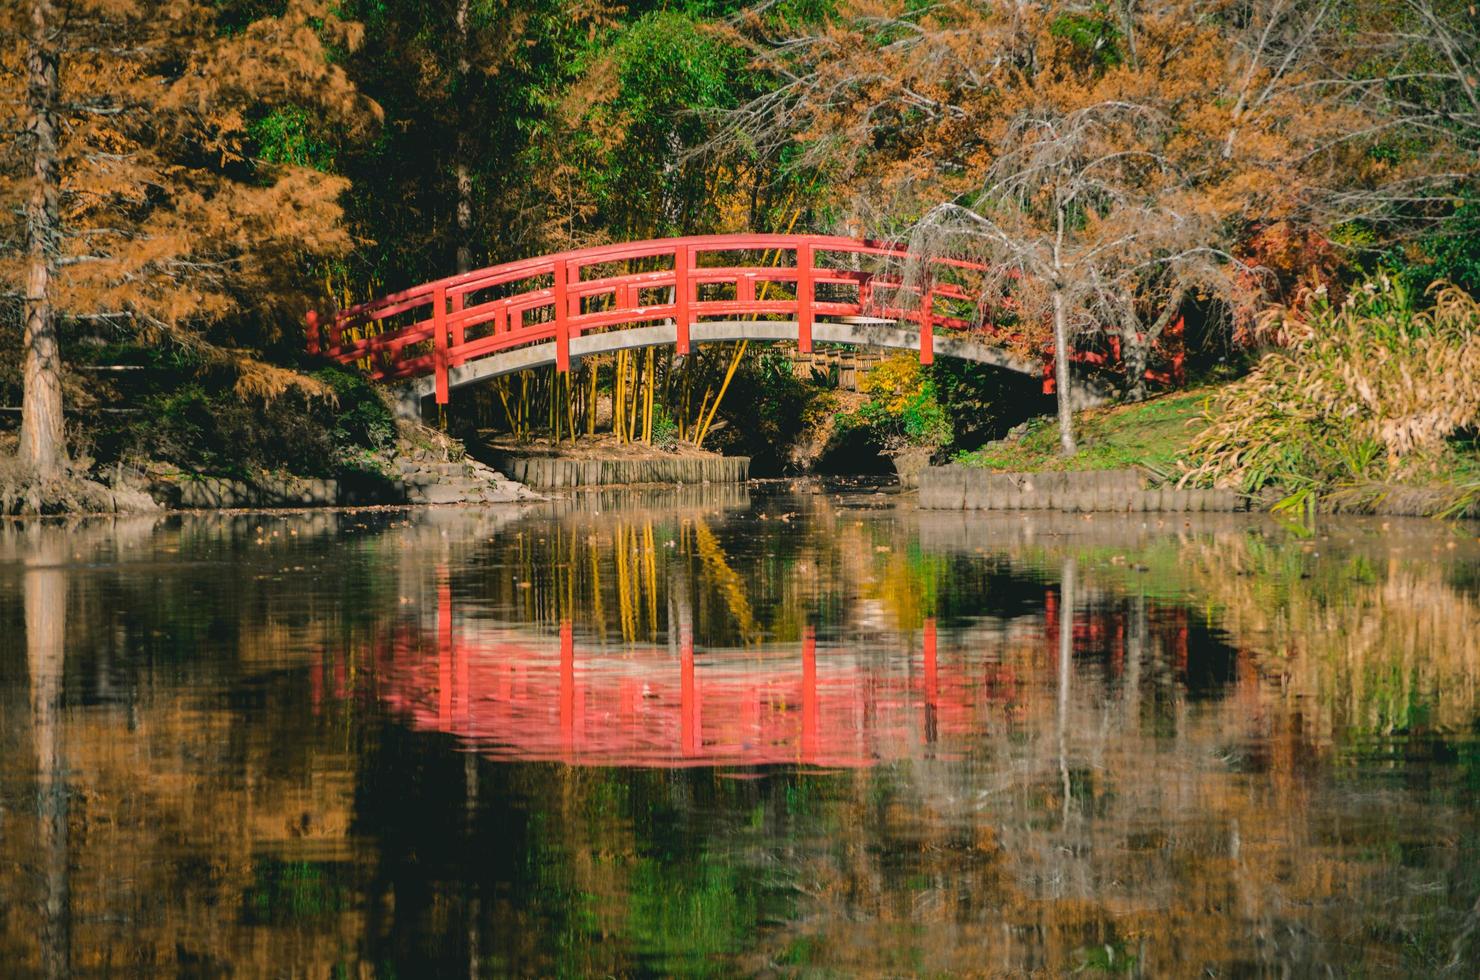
<point x="294" y="891"/>
<point x="1153" y="434"/>
<point x="685" y="917"/>
<point x="637" y="105"/>
<point x="1453" y="253"/>
<point x="291" y="135"/>
<point x="981" y="402"/>
<point x="201" y="425"/>
<point x="361" y="423"/>
<point x="902" y="409"/>
<point x="1093" y="33"/>
<point x="768" y="408"/>
<point x="665" y="430"/>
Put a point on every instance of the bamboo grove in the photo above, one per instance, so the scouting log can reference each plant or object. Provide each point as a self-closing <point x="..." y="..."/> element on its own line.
<point x="650" y="397"/>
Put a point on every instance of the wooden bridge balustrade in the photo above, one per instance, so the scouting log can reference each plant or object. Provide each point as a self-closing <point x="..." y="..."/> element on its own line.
<point x="455" y="320"/>
<point x="474" y="315"/>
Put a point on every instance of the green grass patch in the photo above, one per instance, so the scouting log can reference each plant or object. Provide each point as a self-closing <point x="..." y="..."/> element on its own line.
<point x="1152" y="433"/>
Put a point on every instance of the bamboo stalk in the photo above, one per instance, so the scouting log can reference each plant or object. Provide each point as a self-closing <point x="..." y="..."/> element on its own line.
<point x="525" y="412"/>
<point x="570" y="409"/>
<point x="703" y="408"/>
<point x="591" y="401"/>
<point x="647" y="407"/>
<point x="500" y="387"/>
<point x="618" y="394"/>
<point x="633" y="411"/>
<point x="730" y="374"/>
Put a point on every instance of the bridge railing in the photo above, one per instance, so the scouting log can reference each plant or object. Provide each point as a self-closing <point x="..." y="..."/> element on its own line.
<point x="433" y="328"/>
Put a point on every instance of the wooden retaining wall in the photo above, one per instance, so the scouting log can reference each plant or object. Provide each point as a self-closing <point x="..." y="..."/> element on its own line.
<point x="553" y="472"/>
<point x="1089" y="491"/>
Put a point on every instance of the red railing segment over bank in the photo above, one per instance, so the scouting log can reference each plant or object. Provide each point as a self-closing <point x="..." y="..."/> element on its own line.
<point x="435" y="327"/>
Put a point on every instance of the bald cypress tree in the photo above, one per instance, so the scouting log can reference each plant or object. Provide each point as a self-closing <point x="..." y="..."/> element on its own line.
<point x="137" y="201"/>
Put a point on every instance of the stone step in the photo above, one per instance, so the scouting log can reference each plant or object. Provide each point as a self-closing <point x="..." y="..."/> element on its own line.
<point x="437" y="494"/>
<point x="439" y="469"/>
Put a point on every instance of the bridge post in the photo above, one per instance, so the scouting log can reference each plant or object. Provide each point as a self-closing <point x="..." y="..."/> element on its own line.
<point x="690" y="731"/>
<point x="311" y="323"/>
<point x="682" y="296"/>
<point x="459" y="327"/>
<point x="927" y="326"/>
<point x="562" y="316"/>
<point x="805" y="290"/>
<point x="810" y="727"/>
<point x="567" y="686"/>
<point x="440" y="356"/>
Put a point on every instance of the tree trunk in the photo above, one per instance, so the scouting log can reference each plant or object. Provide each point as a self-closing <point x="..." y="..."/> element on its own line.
<point x="43" y="444"/>
<point x="1135" y="352"/>
<point x="1062" y="379"/>
<point x="1136" y="339"/>
<point x="462" y="173"/>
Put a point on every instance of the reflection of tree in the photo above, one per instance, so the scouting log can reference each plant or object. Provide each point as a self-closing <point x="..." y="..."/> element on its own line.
<point x="1157" y="795"/>
<point x="729" y="584"/>
<point x="181" y="828"/>
<point x="45" y="589"/>
<point x="1124" y="819"/>
<point x="1365" y="643"/>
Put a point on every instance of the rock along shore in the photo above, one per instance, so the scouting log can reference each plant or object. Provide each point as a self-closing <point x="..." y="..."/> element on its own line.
<point x="422" y="478"/>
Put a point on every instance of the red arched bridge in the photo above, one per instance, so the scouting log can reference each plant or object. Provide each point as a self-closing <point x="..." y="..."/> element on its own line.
<point x="681" y="291"/>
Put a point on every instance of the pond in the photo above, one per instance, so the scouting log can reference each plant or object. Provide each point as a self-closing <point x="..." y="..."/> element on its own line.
<point x="724" y="731"/>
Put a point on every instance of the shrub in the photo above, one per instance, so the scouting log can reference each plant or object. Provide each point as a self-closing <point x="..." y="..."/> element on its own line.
<point x="902" y="408"/>
<point x="1370" y="391"/>
<point x="765" y="408"/>
<point x="213" y="430"/>
<point x="665" y="430"/>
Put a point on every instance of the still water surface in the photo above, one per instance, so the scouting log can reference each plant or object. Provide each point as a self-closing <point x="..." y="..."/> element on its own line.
<point x="733" y="732"/>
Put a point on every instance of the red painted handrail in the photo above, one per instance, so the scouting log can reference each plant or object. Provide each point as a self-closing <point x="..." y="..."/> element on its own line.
<point x="433" y="328"/>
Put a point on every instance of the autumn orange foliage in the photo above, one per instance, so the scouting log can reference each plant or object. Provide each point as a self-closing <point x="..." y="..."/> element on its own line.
<point x="170" y="225"/>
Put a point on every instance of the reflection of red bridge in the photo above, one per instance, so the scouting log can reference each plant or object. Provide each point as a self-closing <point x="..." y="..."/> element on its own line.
<point x="520" y="698"/>
<point x="652" y="707"/>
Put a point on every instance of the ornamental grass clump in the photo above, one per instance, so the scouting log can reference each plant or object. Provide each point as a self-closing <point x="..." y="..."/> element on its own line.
<point x="1365" y="394"/>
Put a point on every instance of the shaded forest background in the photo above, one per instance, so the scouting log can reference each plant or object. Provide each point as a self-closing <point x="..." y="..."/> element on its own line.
<point x="225" y="166"/>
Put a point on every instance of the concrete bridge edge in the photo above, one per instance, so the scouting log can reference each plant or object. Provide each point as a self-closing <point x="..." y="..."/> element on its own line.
<point x="409" y="397"/>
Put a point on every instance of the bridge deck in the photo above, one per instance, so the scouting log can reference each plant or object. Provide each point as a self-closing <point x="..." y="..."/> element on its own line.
<point x="679" y="291"/>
